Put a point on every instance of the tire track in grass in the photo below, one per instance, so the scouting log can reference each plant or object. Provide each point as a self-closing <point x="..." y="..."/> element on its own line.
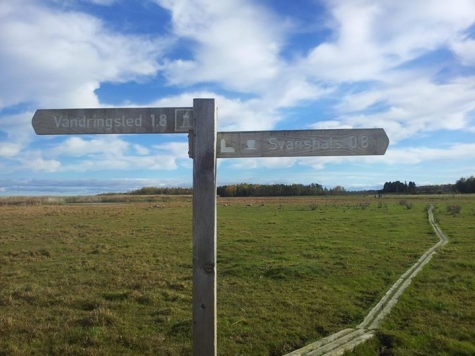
<point x="347" y="339"/>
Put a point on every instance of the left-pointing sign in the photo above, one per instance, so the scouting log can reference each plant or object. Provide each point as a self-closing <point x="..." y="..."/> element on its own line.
<point x="113" y="121"/>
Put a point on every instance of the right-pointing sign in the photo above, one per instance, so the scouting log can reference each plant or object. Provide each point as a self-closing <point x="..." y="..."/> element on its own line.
<point x="295" y="143"/>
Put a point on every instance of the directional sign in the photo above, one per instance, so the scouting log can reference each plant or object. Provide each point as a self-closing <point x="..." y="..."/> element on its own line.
<point x="205" y="146"/>
<point x="113" y="121"/>
<point x="295" y="143"/>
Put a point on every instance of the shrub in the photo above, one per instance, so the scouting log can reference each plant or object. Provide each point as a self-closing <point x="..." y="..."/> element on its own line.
<point x="454" y="209"/>
<point x="404" y="202"/>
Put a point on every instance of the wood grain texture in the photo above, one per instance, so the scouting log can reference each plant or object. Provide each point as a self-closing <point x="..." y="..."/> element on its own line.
<point x="298" y="143"/>
<point x="204" y="228"/>
<point x="112" y="121"/>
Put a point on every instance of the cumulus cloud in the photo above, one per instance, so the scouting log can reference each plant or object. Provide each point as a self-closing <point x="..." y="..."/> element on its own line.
<point x="177" y="149"/>
<point x="102" y="2"/>
<point x="141" y="150"/>
<point x="9" y="149"/>
<point x="402" y="65"/>
<point x="17" y="135"/>
<point x="374" y="43"/>
<point x="78" y="146"/>
<point x="81" y="186"/>
<point x="114" y="153"/>
<point x="385" y="60"/>
<point x="374" y="36"/>
<point x="395" y="156"/>
<point x="271" y="162"/>
<point x="464" y="48"/>
<point x="39" y="164"/>
<point x="58" y="58"/>
<point x="409" y="107"/>
<point x="235" y="42"/>
<point x="233" y="114"/>
<point x="415" y="155"/>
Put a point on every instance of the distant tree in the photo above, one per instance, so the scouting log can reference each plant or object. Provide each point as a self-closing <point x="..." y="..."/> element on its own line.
<point x="399" y="187"/>
<point x="266" y="190"/>
<point x="436" y="189"/>
<point x="161" y="191"/>
<point x="465" y="185"/>
<point x="337" y="190"/>
<point x="145" y="191"/>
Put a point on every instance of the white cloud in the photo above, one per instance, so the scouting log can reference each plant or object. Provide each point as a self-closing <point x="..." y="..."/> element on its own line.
<point x="379" y="67"/>
<point x="395" y="156"/>
<point x="58" y="58"/>
<point x="9" y="149"/>
<point x="40" y="164"/>
<point x="113" y="153"/>
<point x="233" y="114"/>
<point x="413" y="106"/>
<point x="236" y="43"/>
<point x="18" y="134"/>
<point x="254" y="163"/>
<point x="371" y="37"/>
<point x="81" y="186"/>
<point x="102" y="153"/>
<point x="176" y="149"/>
<point x="319" y="163"/>
<point x="17" y="127"/>
<point x="158" y="162"/>
<point x="465" y="50"/>
<point x="141" y="150"/>
<point x="77" y="146"/>
<point x="121" y="163"/>
<point x="415" y="155"/>
<point x="102" y="2"/>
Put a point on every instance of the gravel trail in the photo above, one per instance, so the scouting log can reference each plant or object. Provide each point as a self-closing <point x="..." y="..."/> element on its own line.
<point x="347" y="339"/>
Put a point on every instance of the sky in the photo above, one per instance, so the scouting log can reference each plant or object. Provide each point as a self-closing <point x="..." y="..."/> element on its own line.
<point x="405" y="66"/>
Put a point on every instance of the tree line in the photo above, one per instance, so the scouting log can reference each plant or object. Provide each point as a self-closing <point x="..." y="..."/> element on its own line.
<point x="463" y="185"/>
<point x="466" y="185"/>
<point x="161" y="191"/>
<point x="249" y="190"/>
<point x="399" y="187"/>
<point x="266" y="190"/>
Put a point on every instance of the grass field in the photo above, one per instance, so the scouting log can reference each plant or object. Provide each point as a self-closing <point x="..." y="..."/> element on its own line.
<point x="436" y="315"/>
<point x="110" y="279"/>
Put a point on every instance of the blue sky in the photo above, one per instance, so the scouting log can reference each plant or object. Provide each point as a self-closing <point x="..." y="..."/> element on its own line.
<point x="405" y="66"/>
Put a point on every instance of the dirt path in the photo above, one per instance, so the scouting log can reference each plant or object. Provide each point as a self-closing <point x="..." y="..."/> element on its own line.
<point x="347" y="339"/>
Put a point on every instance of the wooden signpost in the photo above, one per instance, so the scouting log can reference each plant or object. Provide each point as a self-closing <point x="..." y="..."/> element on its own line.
<point x="112" y="121"/>
<point x="206" y="145"/>
<point x="298" y="143"/>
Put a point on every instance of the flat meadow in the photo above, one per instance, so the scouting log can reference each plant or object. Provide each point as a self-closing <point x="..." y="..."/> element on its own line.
<point x="112" y="275"/>
<point x="436" y="314"/>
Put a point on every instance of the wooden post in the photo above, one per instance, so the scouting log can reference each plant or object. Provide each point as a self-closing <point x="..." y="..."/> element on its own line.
<point x="203" y="150"/>
<point x="204" y="228"/>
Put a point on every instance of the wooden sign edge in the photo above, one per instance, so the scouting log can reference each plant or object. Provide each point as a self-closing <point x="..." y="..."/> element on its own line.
<point x="382" y="142"/>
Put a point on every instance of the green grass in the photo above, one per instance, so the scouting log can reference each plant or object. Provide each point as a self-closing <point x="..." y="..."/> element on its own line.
<point x="436" y="314"/>
<point x="116" y="278"/>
